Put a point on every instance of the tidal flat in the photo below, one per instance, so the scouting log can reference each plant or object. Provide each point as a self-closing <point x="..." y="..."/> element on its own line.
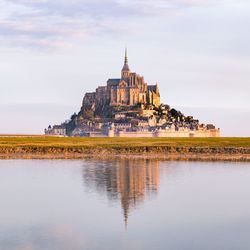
<point x="44" y="147"/>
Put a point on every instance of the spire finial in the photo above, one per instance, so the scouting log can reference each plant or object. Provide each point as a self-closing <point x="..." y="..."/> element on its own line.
<point x="126" y="56"/>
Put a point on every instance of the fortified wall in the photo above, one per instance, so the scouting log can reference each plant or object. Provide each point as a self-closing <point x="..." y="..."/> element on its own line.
<point x="168" y="133"/>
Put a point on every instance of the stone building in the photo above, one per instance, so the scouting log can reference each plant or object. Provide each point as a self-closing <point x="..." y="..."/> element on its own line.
<point x="59" y="130"/>
<point x="129" y="90"/>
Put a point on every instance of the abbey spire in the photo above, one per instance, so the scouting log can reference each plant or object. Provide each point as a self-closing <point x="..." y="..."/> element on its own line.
<point x="125" y="69"/>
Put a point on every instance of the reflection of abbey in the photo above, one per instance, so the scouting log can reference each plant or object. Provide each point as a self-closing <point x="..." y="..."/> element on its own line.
<point x="130" y="89"/>
<point x="129" y="180"/>
<point x="129" y="107"/>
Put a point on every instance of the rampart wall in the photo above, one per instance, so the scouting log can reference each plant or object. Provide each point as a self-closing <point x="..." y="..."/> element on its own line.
<point x="171" y="133"/>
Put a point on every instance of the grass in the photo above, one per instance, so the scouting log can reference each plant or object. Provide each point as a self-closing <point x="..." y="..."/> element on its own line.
<point x="120" y="143"/>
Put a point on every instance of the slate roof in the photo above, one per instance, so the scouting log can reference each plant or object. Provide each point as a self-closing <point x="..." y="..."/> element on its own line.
<point x="114" y="81"/>
<point x="125" y="67"/>
<point x="152" y="87"/>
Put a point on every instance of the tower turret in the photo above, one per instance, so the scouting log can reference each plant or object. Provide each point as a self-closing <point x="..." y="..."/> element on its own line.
<point x="125" y="69"/>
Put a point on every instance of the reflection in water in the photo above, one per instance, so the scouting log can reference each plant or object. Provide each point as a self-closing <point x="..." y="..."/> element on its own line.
<point x="201" y="205"/>
<point x="128" y="180"/>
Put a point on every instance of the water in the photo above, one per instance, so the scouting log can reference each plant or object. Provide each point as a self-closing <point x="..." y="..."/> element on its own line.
<point x="124" y="204"/>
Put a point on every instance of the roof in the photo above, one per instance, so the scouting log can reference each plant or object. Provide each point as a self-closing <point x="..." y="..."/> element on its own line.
<point x="152" y="87"/>
<point x="114" y="81"/>
<point x="125" y="67"/>
<point x="58" y="127"/>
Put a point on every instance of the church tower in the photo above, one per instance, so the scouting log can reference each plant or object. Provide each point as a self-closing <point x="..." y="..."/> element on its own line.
<point x="125" y="69"/>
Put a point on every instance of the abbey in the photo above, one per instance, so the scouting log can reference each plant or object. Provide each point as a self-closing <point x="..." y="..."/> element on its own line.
<point x="129" y="90"/>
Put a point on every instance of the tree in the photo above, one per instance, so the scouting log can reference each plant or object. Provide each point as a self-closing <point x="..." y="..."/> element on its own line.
<point x="73" y="116"/>
<point x="174" y="112"/>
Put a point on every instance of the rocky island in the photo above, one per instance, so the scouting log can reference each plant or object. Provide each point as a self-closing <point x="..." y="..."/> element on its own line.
<point x="129" y="107"/>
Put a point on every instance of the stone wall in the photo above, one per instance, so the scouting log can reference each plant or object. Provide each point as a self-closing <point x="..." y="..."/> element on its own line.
<point x="89" y="99"/>
<point x="188" y="133"/>
<point x="134" y="134"/>
<point x="170" y="133"/>
<point x="101" y="95"/>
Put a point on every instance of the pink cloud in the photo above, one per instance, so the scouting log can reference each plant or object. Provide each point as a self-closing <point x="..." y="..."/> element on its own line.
<point x="59" y="23"/>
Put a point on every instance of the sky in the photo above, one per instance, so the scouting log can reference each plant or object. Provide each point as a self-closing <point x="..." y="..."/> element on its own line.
<point x="52" y="52"/>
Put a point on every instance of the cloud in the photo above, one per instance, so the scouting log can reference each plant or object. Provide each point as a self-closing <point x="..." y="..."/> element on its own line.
<point x="34" y="35"/>
<point x="58" y="23"/>
<point x="76" y="8"/>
